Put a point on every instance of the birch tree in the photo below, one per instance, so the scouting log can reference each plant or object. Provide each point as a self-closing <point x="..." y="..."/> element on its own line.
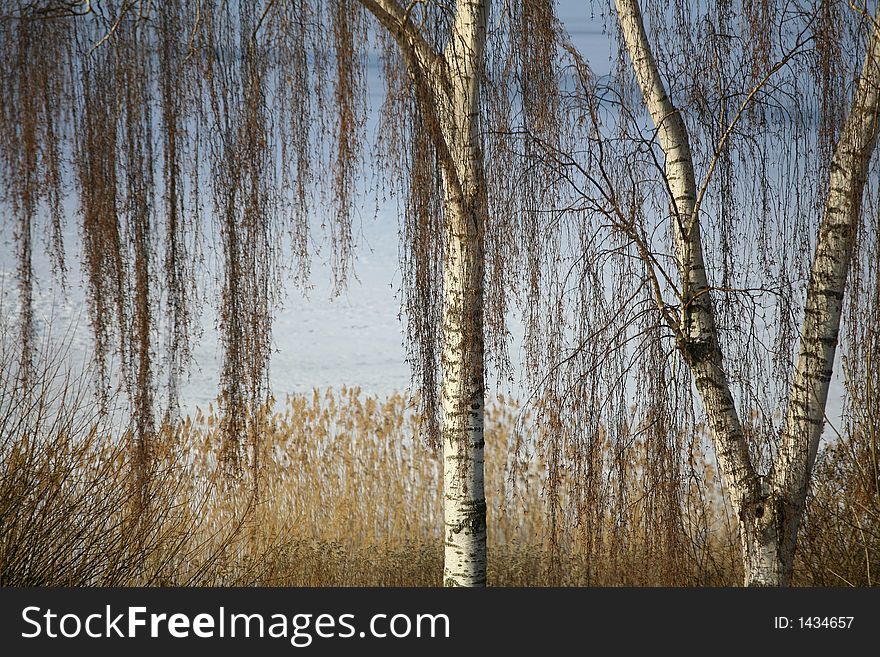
<point x="732" y="212"/>
<point x="448" y="93"/>
<point x="190" y="127"/>
<point x="769" y="505"/>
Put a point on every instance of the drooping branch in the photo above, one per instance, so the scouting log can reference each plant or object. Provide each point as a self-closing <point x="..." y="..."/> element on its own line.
<point x="699" y="342"/>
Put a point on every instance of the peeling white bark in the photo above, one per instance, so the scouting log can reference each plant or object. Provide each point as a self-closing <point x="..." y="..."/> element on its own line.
<point x="448" y="86"/>
<point x="769" y="508"/>
<point x="698" y="338"/>
<point x="462" y="391"/>
<point x="462" y="404"/>
<point x="805" y="416"/>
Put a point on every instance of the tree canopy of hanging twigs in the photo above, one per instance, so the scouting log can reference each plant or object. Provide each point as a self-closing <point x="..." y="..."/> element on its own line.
<point x="761" y="93"/>
<point x="200" y="140"/>
<point x="194" y="137"/>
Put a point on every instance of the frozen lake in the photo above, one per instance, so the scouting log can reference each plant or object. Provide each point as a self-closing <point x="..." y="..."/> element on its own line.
<point x="319" y="340"/>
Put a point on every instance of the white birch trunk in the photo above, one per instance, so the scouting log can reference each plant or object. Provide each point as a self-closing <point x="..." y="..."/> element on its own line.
<point x="448" y="88"/>
<point x="698" y="338"/>
<point x="462" y="390"/>
<point x="462" y="406"/>
<point x="805" y="416"/>
<point x="769" y="508"/>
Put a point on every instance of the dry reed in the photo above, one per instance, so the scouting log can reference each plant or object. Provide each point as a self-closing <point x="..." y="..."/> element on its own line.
<point x="344" y="493"/>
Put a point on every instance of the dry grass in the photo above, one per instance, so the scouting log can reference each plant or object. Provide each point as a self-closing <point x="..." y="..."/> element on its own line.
<point x="346" y="495"/>
<point x="840" y="540"/>
<point x="343" y="494"/>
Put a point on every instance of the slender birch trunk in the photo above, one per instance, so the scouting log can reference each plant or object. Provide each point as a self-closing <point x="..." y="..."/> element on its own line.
<point x="769" y="508"/>
<point x="462" y="400"/>
<point x="462" y="390"/>
<point x="448" y="87"/>
<point x="805" y="416"/>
